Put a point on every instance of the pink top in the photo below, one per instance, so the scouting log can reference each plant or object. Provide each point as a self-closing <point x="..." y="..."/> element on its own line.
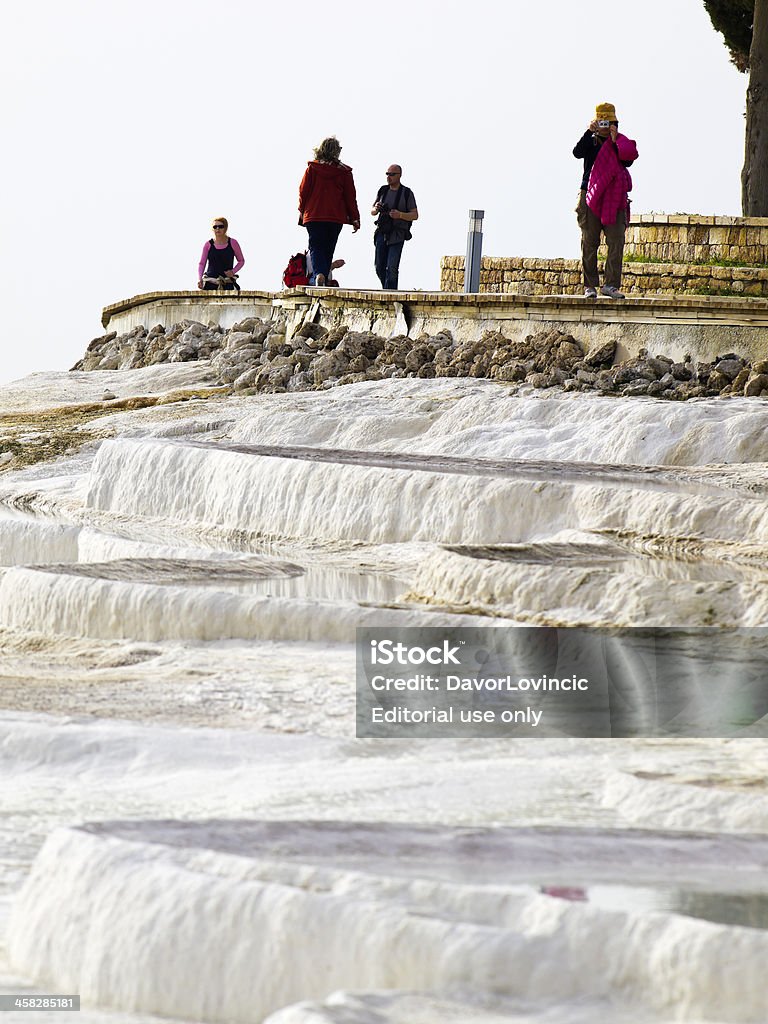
<point x="206" y="249"/>
<point x="610" y="181"/>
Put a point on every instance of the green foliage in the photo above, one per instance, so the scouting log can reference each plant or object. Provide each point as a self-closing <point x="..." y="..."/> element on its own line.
<point x="733" y="18"/>
<point x="632" y="257"/>
<point x="729" y="293"/>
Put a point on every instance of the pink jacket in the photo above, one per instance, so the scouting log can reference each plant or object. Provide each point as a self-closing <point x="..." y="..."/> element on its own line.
<point x="610" y="180"/>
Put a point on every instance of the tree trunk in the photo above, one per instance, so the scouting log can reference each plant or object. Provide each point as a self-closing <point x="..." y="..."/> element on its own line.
<point x="754" y="177"/>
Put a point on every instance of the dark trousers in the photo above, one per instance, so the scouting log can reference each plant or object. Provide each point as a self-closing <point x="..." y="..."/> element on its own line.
<point x="591" y="229"/>
<point x="323" y="236"/>
<point x="387" y="261"/>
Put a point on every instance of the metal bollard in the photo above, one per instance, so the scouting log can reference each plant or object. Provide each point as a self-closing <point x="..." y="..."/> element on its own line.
<point x="474" y="251"/>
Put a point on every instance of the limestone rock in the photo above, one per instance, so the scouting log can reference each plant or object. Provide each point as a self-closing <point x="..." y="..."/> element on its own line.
<point x="237" y="339"/>
<point x="442" y="340"/>
<point x="568" y="352"/>
<point x="395" y="351"/>
<point x="680" y="371"/>
<point x="352" y="378"/>
<point x="315" y="331"/>
<point x="729" y="367"/>
<point x="511" y="372"/>
<point x="359" y="364"/>
<point x="246" y="326"/>
<point x="659" y="366"/>
<point x="637" y="387"/>
<point x="355" y="344"/>
<point x="601" y="355"/>
<point x="329" y="364"/>
<point x="271" y="379"/>
<point x="334" y="336"/>
<point x="420" y="353"/>
<point x="247" y="379"/>
<point x="740" y="380"/>
<point x="757" y="385"/>
<point x="302" y="381"/>
<point x="585" y="377"/>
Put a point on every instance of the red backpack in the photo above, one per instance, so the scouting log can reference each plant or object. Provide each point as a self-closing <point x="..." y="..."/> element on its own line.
<point x="296" y="271"/>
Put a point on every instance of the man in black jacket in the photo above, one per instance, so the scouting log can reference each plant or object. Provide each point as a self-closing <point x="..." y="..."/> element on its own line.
<point x="395" y="208"/>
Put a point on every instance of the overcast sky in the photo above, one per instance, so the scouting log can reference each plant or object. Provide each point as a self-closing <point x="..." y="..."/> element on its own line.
<point x="129" y="125"/>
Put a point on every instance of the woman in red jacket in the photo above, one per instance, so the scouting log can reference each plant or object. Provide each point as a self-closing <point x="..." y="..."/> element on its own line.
<point x="327" y="201"/>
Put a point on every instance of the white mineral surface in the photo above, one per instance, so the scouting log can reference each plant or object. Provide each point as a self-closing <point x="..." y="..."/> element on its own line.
<point x="188" y="827"/>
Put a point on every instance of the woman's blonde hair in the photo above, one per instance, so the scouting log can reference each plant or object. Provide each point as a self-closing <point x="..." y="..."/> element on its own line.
<point x="328" y="151"/>
<point x="223" y="220"/>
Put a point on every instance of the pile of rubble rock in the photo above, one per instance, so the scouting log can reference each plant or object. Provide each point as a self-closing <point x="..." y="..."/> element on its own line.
<point x="256" y="355"/>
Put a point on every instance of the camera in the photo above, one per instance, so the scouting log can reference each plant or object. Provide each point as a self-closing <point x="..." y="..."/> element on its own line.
<point x="603" y="124"/>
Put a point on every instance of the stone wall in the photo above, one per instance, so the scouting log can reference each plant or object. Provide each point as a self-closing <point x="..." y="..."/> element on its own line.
<point x="665" y="254"/>
<point x="533" y="276"/>
<point x="692" y="238"/>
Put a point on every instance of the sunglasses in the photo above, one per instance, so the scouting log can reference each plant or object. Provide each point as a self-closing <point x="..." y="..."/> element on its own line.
<point x="218" y="227"/>
<point x="392" y="174"/>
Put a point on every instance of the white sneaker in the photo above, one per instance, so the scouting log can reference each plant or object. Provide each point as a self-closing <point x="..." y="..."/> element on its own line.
<point x="320" y="281"/>
<point x="612" y="292"/>
<point x="590" y="293"/>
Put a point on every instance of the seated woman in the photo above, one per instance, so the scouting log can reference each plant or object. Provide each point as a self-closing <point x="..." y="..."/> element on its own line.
<point x="217" y="267"/>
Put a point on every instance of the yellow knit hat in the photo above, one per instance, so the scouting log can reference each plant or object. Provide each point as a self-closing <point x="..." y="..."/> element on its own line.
<point x="605" y="112"/>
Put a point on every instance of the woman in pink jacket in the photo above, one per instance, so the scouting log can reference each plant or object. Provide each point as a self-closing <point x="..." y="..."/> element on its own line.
<point x="603" y="206"/>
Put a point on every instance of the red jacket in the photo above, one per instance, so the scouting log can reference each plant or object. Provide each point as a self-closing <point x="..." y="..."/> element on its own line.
<point x="610" y="180"/>
<point x="327" y="193"/>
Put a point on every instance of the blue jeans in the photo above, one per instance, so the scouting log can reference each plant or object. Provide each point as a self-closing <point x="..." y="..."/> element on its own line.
<point x="323" y="236"/>
<point x="387" y="261"/>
